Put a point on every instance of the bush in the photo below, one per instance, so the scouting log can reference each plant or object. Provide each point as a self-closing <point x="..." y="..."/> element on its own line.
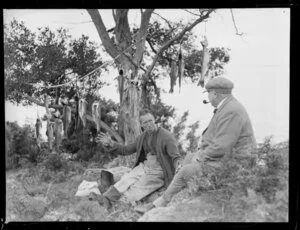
<point x="55" y="162"/>
<point x="249" y="186"/>
<point x="20" y="143"/>
<point x="81" y="143"/>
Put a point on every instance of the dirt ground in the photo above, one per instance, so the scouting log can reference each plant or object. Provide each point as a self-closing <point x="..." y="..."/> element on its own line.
<point x="29" y="198"/>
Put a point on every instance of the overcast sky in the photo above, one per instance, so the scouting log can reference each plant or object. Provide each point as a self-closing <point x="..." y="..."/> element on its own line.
<point x="259" y="62"/>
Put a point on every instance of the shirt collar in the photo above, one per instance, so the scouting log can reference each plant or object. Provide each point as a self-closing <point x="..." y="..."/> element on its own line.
<point x="221" y="102"/>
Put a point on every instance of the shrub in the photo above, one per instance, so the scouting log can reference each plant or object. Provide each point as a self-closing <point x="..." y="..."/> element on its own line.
<point x="55" y="162"/>
<point x="81" y="143"/>
<point x="256" y="191"/>
<point x="20" y="143"/>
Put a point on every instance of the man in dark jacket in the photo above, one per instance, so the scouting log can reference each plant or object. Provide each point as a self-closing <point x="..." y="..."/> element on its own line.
<point x="156" y="162"/>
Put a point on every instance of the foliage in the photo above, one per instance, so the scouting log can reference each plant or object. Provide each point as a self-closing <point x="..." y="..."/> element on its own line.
<point x="158" y="34"/>
<point x="251" y="190"/>
<point x="57" y="168"/>
<point x="33" y="60"/>
<point x="81" y="143"/>
<point x="192" y="138"/>
<point x="178" y="131"/>
<point x="21" y="144"/>
<point x="55" y="162"/>
<point x="162" y="114"/>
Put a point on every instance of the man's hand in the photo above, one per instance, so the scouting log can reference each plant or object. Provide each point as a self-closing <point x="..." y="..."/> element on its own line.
<point x="105" y="140"/>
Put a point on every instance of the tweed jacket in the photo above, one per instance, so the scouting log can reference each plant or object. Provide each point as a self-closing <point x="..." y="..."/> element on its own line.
<point x="165" y="147"/>
<point x="229" y="132"/>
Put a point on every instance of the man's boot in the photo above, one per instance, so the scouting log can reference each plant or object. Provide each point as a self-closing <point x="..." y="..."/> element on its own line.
<point x="112" y="194"/>
<point x="144" y="208"/>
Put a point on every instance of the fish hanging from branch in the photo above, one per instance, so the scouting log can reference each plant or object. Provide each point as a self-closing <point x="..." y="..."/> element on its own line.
<point x="67" y="116"/>
<point x="50" y="134"/>
<point x="58" y="128"/>
<point x="96" y="114"/>
<point x="180" y="68"/>
<point x="121" y="84"/>
<point x="82" y="110"/>
<point x="38" y="127"/>
<point x="205" y="61"/>
<point x="173" y="75"/>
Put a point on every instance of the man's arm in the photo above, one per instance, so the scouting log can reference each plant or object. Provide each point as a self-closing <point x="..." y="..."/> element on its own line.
<point x="123" y="149"/>
<point x="172" y="150"/>
<point x="116" y="148"/>
<point x="227" y="132"/>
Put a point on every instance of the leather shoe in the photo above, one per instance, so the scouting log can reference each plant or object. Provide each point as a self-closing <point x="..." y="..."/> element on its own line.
<point x="145" y="208"/>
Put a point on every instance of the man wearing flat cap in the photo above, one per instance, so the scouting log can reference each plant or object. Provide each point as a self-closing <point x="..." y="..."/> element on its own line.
<point x="229" y="133"/>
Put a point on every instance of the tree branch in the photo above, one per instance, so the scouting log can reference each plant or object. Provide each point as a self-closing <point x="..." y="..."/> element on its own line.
<point x="114" y="15"/>
<point x="164" y="19"/>
<point x="141" y="36"/>
<point x="102" y="31"/>
<point x="150" y="44"/>
<point x="110" y="30"/>
<point x="192" y="13"/>
<point x="236" y="29"/>
<point x="177" y="37"/>
<point x="122" y="29"/>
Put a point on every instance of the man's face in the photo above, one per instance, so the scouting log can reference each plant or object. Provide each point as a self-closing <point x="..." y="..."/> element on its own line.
<point x="212" y="97"/>
<point x="148" y="122"/>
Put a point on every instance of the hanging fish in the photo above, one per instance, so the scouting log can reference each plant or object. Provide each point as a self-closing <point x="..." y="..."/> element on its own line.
<point x="180" y="68"/>
<point x="82" y="110"/>
<point x="173" y="75"/>
<point x="38" y="127"/>
<point x="205" y="61"/>
<point x="58" y="128"/>
<point x="50" y="129"/>
<point x="121" y="84"/>
<point x="76" y="111"/>
<point x="96" y="114"/>
<point x="67" y="115"/>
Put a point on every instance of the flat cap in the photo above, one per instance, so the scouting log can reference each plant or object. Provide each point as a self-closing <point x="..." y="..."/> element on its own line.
<point x="220" y="85"/>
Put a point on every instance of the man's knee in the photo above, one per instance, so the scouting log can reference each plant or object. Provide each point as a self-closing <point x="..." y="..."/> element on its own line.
<point x="188" y="158"/>
<point x="189" y="170"/>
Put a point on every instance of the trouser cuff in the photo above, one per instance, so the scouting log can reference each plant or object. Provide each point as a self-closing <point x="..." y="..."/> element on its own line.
<point x="112" y="194"/>
<point x="160" y="202"/>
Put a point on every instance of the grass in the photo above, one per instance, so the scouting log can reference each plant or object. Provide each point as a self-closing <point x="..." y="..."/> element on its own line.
<point x="245" y="190"/>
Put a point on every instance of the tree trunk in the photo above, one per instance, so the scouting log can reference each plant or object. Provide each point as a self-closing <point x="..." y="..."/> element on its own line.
<point x="130" y="96"/>
<point x="129" y="122"/>
<point x="145" y="100"/>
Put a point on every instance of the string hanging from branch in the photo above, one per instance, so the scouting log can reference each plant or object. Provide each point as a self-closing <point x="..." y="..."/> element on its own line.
<point x="180" y="67"/>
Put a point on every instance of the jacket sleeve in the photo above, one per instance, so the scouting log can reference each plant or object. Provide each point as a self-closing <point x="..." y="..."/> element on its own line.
<point x="124" y="149"/>
<point x="172" y="150"/>
<point x="228" y="129"/>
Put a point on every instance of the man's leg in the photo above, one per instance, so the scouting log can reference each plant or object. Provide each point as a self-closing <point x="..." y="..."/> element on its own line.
<point x="152" y="180"/>
<point x="179" y="182"/>
<point x="130" y="178"/>
<point x="115" y="191"/>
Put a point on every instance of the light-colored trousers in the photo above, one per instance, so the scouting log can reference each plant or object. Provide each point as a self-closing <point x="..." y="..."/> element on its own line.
<point x="192" y="166"/>
<point x="144" y="179"/>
